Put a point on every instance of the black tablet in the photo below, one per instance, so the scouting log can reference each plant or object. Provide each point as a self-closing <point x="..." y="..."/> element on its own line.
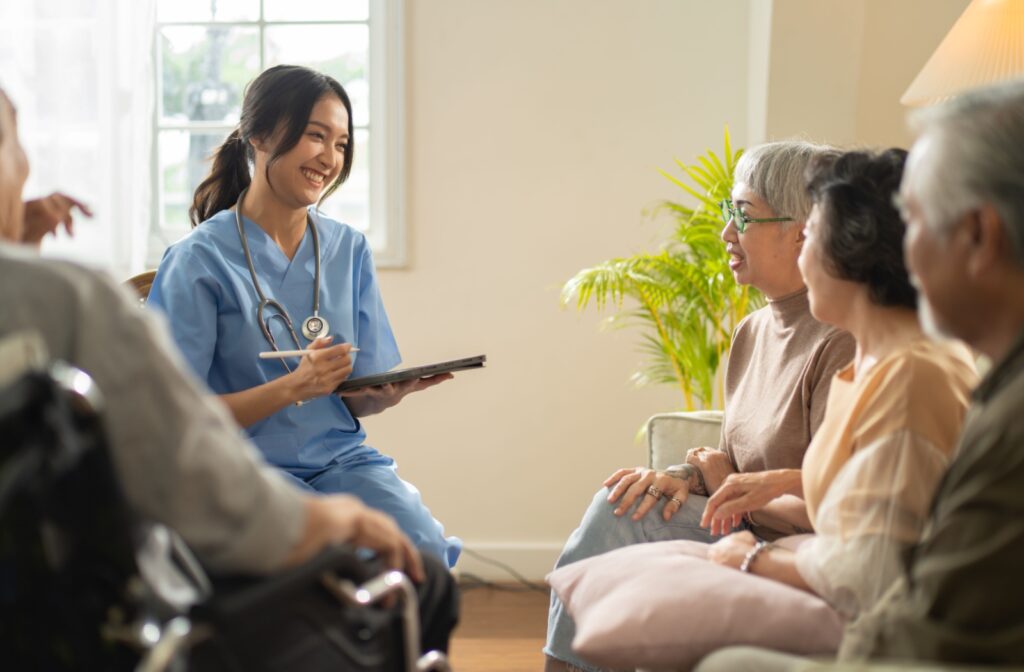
<point x="399" y="375"/>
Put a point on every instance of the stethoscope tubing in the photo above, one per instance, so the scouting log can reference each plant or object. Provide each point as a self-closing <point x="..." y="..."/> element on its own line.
<point x="264" y="302"/>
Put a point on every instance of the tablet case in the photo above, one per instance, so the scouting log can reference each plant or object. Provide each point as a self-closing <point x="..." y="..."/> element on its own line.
<point x="398" y="376"/>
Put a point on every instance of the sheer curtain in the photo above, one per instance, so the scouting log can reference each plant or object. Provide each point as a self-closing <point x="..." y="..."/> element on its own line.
<point x="81" y="75"/>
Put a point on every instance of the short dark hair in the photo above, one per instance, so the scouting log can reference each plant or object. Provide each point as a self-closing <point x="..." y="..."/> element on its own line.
<point x="862" y="231"/>
<point x="281" y="94"/>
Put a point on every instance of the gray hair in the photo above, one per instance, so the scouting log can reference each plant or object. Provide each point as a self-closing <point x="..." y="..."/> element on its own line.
<point x="979" y="158"/>
<point x="777" y="172"/>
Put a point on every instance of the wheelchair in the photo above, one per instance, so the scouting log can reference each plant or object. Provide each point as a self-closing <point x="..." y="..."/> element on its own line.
<point x="80" y="590"/>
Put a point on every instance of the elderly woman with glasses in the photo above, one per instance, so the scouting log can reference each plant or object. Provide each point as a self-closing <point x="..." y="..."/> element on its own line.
<point x="777" y="382"/>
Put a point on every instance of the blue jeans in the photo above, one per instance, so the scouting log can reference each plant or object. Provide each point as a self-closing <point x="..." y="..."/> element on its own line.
<point x="601" y="531"/>
<point x="377" y="484"/>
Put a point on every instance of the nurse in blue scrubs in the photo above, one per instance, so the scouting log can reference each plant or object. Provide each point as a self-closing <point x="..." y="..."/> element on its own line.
<point x="264" y="270"/>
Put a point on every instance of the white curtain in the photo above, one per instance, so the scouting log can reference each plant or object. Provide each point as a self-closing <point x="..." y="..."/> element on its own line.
<point x="81" y="74"/>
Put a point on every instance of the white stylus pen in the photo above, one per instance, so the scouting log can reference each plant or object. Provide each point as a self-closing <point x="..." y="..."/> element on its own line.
<point x="280" y="354"/>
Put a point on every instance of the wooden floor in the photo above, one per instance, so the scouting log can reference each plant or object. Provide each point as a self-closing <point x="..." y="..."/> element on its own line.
<point x="500" y="631"/>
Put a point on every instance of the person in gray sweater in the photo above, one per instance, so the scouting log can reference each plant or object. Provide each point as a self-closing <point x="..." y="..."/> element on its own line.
<point x="180" y="458"/>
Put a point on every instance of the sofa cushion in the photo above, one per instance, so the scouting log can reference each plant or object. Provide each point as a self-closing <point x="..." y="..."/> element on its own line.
<point x="663" y="606"/>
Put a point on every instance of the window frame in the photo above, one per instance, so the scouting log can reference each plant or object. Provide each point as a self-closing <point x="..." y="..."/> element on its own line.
<point x="386" y="231"/>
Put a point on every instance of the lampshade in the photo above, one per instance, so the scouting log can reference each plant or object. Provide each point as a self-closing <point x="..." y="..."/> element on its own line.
<point x="985" y="45"/>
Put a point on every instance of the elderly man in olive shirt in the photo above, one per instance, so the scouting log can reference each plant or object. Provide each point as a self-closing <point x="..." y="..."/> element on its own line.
<point x="961" y="597"/>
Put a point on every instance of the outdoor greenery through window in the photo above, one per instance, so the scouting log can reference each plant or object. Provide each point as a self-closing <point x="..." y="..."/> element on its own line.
<point x="208" y="50"/>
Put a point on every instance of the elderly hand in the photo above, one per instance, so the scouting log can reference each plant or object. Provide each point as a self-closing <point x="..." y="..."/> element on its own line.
<point x="730" y="551"/>
<point x="337" y="519"/>
<point x="629" y="485"/>
<point x="44" y="215"/>
<point x="370" y="400"/>
<point x="743" y="493"/>
<point x="714" y="465"/>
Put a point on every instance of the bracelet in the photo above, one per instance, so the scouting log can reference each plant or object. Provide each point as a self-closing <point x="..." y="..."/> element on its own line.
<point x="752" y="554"/>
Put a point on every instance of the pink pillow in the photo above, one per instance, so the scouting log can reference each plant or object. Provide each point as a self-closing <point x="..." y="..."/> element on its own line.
<point x="663" y="606"/>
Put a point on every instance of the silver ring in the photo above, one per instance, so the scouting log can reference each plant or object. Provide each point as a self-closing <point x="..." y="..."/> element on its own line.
<point x="676" y="500"/>
<point x="654" y="492"/>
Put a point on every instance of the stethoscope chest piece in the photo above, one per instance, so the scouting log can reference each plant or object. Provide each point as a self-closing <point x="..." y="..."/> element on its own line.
<point x="315" y="326"/>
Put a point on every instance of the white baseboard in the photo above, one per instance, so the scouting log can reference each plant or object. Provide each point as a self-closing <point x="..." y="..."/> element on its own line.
<point x="532" y="560"/>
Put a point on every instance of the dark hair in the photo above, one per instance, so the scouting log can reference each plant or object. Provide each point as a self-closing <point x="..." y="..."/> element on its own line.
<point x="861" y="230"/>
<point x="281" y="94"/>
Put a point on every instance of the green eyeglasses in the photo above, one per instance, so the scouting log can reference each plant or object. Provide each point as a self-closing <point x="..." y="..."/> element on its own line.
<point x="735" y="214"/>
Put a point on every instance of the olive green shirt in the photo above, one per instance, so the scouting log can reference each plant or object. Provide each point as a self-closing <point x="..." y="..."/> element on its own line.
<point x="961" y="598"/>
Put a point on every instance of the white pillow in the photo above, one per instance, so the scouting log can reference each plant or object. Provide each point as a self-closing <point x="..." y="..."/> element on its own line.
<point x="663" y="606"/>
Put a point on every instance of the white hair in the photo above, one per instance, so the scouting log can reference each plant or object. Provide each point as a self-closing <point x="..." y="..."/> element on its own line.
<point x="777" y="172"/>
<point x="979" y="158"/>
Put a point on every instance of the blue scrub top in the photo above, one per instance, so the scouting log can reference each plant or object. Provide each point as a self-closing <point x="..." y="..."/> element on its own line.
<point x="204" y="288"/>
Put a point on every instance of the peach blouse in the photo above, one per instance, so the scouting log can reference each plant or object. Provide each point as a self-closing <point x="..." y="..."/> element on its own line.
<point x="873" y="466"/>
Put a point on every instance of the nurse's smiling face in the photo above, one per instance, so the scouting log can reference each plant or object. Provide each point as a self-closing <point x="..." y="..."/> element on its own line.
<point x="300" y="175"/>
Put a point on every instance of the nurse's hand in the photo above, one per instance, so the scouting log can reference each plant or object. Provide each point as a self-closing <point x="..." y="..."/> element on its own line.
<point x="343" y="519"/>
<point x="319" y="373"/>
<point x="370" y="400"/>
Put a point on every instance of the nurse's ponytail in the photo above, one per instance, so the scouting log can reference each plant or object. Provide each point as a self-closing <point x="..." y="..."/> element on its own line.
<point x="277" y="105"/>
<point x="228" y="177"/>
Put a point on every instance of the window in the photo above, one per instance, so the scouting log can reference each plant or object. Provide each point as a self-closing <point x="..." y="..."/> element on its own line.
<point x="208" y="50"/>
<point x="79" y="72"/>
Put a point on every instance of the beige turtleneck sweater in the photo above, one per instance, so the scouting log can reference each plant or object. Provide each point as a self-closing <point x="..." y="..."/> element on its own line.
<point x="777" y="381"/>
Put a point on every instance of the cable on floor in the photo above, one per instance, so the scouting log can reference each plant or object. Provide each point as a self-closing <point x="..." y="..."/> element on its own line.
<point x="468" y="581"/>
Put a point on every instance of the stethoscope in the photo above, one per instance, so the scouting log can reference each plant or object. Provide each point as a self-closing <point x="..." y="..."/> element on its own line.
<point x="314" y="325"/>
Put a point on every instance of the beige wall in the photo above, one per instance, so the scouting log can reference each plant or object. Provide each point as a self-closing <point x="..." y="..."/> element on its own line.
<point x="535" y="131"/>
<point x="838" y="68"/>
<point x="899" y="37"/>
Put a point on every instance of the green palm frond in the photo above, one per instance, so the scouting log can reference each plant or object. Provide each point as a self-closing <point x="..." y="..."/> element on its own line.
<point x="683" y="297"/>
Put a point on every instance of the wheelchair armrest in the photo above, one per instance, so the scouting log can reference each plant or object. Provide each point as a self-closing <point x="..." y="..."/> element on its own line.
<point x="348" y="580"/>
<point x="238" y="594"/>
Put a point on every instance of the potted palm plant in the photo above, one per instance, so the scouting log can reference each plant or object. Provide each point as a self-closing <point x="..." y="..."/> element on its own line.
<point x="683" y="297"/>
